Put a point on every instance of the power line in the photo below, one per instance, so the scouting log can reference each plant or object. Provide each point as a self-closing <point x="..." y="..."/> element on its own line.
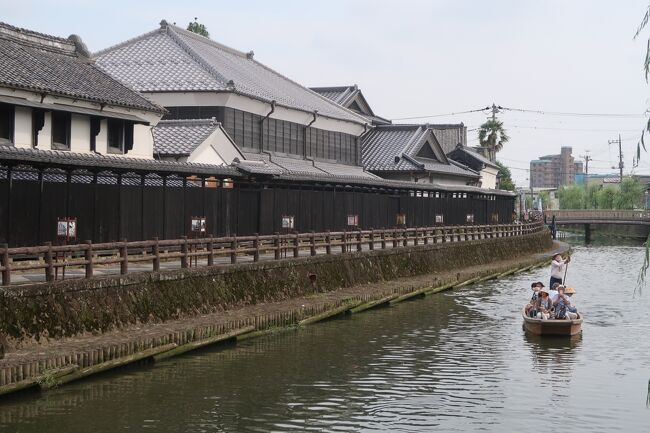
<point x="561" y="113"/>
<point x="443" y="115"/>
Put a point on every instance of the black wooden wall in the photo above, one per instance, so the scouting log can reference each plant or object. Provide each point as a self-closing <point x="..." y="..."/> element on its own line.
<point x="110" y="207"/>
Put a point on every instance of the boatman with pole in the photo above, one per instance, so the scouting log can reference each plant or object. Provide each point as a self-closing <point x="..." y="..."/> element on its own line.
<point x="559" y="267"/>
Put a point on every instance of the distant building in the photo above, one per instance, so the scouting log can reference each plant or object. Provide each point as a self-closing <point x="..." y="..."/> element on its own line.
<point x="553" y="171"/>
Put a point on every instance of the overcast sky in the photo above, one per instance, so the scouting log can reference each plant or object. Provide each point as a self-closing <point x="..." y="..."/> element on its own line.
<point x="420" y="58"/>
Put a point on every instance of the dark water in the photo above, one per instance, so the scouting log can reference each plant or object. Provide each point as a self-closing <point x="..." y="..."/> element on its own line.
<point x="457" y="361"/>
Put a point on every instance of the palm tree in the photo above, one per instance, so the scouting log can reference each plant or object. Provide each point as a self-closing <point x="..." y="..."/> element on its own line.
<point x="492" y="136"/>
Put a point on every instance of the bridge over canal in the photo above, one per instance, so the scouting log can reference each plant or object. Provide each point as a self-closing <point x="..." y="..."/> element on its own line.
<point x="629" y="223"/>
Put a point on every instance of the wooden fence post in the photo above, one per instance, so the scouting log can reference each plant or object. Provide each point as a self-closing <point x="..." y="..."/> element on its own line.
<point x="344" y="243"/>
<point x="89" y="259"/>
<point x="49" y="270"/>
<point x="405" y="235"/>
<point x="156" y="255"/>
<point x="312" y="243"/>
<point x="328" y="243"/>
<point x="416" y="241"/>
<point x="4" y="262"/>
<point x="371" y="244"/>
<point x="210" y="248"/>
<point x="233" y="250"/>
<point x="256" y="245"/>
<point x="359" y="241"/>
<point x="184" y="252"/>
<point x="124" y="255"/>
<point x="383" y="239"/>
<point x="394" y="238"/>
<point x="296" y="245"/>
<point x="276" y="245"/>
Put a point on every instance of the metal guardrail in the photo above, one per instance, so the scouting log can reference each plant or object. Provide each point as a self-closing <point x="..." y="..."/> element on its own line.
<point x="579" y="214"/>
<point x="88" y="255"/>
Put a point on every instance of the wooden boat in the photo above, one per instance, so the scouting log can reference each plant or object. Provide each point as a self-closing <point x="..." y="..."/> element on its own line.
<point x="552" y="326"/>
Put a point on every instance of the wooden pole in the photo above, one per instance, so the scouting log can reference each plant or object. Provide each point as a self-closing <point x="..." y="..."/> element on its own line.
<point x="4" y="262"/>
<point x="89" y="258"/>
<point x="156" y="255"/>
<point x="124" y="255"/>
<point x="49" y="270"/>
<point x="184" y="252"/>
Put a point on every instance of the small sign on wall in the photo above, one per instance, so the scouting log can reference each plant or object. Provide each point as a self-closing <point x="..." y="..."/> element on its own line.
<point x="470" y="218"/>
<point x="353" y="220"/>
<point x="66" y="228"/>
<point x="287" y="222"/>
<point x="494" y="218"/>
<point x="401" y="219"/>
<point x="198" y="224"/>
<point x="440" y="219"/>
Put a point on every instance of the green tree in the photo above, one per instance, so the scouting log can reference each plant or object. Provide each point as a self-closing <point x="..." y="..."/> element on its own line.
<point x="492" y="136"/>
<point x="505" y="177"/>
<point x="545" y="196"/>
<point x="197" y="28"/>
<point x="572" y="197"/>
<point x="605" y="197"/>
<point x="630" y="194"/>
<point x="591" y="196"/>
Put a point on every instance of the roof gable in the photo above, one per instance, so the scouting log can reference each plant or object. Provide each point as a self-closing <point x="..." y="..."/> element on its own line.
<point x="398" y="148"/>
<point x="349" y="97"/>
<point x="174" y="59"/>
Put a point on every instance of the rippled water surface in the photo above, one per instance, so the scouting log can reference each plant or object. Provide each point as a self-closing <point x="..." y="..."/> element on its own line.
<point x="457" y="361"/>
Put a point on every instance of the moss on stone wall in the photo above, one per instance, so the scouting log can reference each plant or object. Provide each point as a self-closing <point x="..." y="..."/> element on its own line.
<point x="68" y="308"/>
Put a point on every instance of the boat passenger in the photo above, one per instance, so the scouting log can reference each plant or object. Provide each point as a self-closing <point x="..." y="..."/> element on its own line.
<point x="571" y="308"/>
<point x="544" y="304"/>
<point x="553" y="292"/>
<point x="531" y="307"/>
<point x="558" y="266"/>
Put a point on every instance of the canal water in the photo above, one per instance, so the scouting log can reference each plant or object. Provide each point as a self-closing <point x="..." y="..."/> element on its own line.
<point x="456" y="361"/>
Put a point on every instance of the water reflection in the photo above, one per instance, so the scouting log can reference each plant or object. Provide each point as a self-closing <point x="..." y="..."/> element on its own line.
<point x="457" y="361"/>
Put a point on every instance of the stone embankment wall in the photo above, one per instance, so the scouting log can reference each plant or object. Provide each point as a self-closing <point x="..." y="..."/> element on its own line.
<point x="76" y="307"/>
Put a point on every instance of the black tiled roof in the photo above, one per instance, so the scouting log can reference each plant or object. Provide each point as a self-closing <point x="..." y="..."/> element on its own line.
<point x="172" y="59"/>
<point x="394" y="148"/>
<point x="181" y="137"/>
<point x="65" y="159"/>
<point x="53" y="159"/>
<point x="42" y="63"/>
<point x="470" y="157"/>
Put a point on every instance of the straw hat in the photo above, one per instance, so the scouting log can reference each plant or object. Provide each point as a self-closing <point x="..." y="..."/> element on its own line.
<point x="569" y="290"/>
<point x="544" y="290"/>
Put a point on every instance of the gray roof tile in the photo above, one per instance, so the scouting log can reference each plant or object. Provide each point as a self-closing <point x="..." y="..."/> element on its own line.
<point x="42" y="63"/>
<point x="58" y="158"/>
<point x="384" y="149"/>
<point x="174" y="59"/>
<point x="262" y="163"/>
<point x="181" y="137"/>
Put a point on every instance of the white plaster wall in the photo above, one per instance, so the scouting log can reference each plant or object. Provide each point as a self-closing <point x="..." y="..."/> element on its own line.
<point x="101" y="140"/>
<point x="23" y="127"/>
<point x="79" y="133"/>
<point x="80" y="126"/>
<point x="489" y="177"/>
<point x="216" y="149"/>
<point x="251" y="105"/>
<point x="45" y="134"/>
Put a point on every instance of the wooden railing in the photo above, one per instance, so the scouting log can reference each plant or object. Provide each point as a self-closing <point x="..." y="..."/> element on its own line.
<point x="580" y="214"/>
<point x="226" y="250"/>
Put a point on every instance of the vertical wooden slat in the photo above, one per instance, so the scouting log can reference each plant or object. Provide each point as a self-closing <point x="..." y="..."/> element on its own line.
<point x="124" y="255"/>
<point x="89" y="258"/>
<point x="156" y="255"/>
<point x="4" y="262"/>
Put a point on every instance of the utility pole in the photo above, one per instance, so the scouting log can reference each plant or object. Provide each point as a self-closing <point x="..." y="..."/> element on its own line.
<point x="587" y="158"/>
<point x="620" y="156"/>
<point x="495" y="110"/>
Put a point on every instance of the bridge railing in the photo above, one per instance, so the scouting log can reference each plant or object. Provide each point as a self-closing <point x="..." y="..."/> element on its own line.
<point x="230" y="250"/>
<point x="586" y="214"/>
